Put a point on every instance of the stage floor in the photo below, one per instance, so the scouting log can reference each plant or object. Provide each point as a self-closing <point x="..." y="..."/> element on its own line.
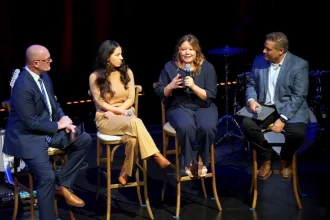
<point x="233" y="175"/>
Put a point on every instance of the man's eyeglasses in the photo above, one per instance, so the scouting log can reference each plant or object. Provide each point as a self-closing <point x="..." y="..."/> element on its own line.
<point x="48" y="60"/>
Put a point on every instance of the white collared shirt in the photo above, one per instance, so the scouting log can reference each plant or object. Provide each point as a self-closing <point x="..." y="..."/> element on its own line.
<point x="273" y="72"/>
<point x="36" y="77"/>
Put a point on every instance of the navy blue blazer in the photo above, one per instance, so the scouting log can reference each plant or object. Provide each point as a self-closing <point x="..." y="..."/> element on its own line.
<point x="28" y="123"/>
<point x="291" y="87"/>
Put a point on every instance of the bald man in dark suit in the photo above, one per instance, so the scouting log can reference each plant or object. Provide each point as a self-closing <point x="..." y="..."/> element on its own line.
<point x="36" y="121"/>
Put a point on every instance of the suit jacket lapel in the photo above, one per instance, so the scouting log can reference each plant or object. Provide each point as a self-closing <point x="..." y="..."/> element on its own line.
<point x="283" y="70"/>
<point x="34" y="84"/>
<point x="266" y="78"/>
<point x="51" y="98"/>
<point x="47" y="87"/>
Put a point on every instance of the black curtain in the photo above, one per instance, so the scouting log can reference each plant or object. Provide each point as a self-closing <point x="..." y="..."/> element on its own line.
<point x="72" y="30"/>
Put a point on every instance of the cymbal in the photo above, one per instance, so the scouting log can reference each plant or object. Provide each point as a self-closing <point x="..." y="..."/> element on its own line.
<point x="318" y="72"/>
<point x="227" y="51"/>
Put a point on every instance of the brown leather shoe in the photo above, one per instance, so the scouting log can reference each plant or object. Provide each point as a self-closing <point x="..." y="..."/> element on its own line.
<point x="285" y="169"/>
<point x="265" y="170"/>
<point x="123" y="177"/>
<point x="161" y="160"/>
<point x="69" y="197"/>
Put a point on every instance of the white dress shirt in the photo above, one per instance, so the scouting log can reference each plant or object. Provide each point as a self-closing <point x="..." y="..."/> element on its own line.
<point x="273" y="72"/>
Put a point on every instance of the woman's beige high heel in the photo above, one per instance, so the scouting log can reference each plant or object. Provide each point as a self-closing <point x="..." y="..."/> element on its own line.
<point x="123" y="177"/>
<point x="161" y="160"/>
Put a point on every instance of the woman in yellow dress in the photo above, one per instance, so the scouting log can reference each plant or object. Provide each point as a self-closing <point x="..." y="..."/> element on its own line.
<point x="113" y="90"/>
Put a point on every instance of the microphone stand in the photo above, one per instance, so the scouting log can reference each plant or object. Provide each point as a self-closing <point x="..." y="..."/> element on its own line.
<point x="227" y="117"/>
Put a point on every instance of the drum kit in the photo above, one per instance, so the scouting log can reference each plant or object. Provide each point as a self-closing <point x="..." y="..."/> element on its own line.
<point x="317" y="103"/>
<point x="229" y="134"/>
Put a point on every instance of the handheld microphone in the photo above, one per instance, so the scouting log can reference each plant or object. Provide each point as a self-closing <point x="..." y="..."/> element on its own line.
<point x="129" y="112"/>
<point x="187" y="74"/>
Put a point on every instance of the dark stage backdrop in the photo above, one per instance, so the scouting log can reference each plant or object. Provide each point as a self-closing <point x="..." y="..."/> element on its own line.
<point x="148" y="31"/>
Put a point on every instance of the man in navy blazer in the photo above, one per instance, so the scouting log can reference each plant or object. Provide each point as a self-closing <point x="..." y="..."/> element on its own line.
<point x="36" y="121"/>
<point x="279" y="80"/>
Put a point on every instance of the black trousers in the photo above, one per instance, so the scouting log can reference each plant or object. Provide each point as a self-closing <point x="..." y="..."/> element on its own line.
<point x="294" y="136"/>
<point x="199" y="125"/>
<point x="46" y="177"/>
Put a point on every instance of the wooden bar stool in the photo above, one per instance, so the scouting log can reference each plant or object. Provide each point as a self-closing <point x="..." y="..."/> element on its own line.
<point x="168" y="131"/>
<point x="52" y="153"/>
<point x="278" y="140"/>
<point x="116" y="142"/>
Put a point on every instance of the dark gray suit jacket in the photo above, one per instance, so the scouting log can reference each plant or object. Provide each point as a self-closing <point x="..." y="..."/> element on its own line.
<point x="291" y="86"/>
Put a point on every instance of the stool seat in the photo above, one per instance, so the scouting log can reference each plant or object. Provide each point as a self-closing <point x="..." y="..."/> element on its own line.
<point x="54" y="151"/>
<point x="274" y="138"/>
<point x="106" y="137"/>
<point x="168" y="128"/>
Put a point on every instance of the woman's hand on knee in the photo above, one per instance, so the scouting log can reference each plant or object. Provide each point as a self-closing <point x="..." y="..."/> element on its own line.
<point x="108" y="114"/>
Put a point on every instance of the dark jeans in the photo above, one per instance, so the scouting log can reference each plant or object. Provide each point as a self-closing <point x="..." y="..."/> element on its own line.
<point x="294" y="136"/>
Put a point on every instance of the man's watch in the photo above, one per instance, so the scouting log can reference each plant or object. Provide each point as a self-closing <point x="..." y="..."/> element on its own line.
<point x="283" y="119"/>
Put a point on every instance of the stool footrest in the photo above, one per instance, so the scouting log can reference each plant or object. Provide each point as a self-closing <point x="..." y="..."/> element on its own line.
<point x="130" y="184"/>
<point x="187" y="178"/>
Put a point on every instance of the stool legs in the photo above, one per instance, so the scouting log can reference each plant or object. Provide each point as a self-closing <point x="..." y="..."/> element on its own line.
<point x="16" y="196"/>
<point x="296" y="188"/>
<point x="32" y="201"/>
<point x="15" y="199"/>
<point x="137" y="184"/>
<point x="203" y="187"/>
<point x="137" y="178"/>
<point x="165" y="145"/>
<point x="254" y="182"/>
<point x="108" y="183"/>
<point x="146" y="197"/>
<point x="178" y="178"/>
<point x="214" y="185"/>
<point x="98" y="155"/>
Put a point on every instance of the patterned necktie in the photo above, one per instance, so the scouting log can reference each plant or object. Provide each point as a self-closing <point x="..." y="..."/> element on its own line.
<point x="43" y="91"/>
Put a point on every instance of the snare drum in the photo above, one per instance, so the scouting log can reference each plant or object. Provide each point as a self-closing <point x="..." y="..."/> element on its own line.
<point x="21" y="166"/>
<point x="242" y="79"/>
<point x="241" y="85"/>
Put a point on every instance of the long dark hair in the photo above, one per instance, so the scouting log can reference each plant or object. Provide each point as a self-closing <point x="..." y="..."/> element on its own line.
<point x="104" y="68"/>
